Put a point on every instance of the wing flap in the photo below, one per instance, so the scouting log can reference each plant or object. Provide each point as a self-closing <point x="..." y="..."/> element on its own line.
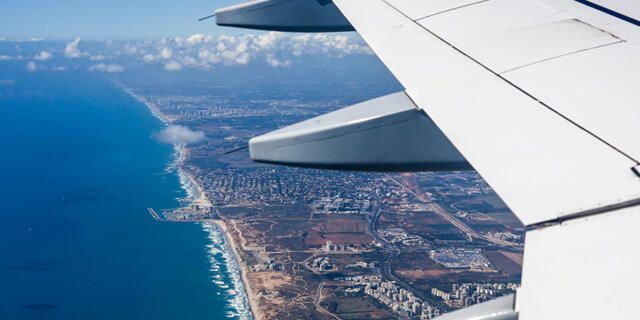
<point x="592" y="90"/>
<point x="527" y="33"/>
<point x="585" y="262"/>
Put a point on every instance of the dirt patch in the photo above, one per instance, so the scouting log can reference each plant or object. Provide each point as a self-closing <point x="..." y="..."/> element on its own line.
<point x="350" y="224"/>
<point x="269" y="280"/>
<point x="424" y="274"/>
<point x="514" y="256"/>
<point x="503" y="263"/>
<point x="315" y="239"/>
<point x="348" y="238"/>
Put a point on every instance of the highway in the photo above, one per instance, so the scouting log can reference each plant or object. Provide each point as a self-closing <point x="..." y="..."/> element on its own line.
<point x="385" y="266"/>
<point x="469" y="233"/>
<point x="440" y="211"/>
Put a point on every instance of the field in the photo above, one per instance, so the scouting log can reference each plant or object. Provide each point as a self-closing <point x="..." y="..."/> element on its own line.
<point x="504" y="261"/>
<point x="426" y="224"/>
<point x="348" y="307"/>
<point x="345" y="223"/>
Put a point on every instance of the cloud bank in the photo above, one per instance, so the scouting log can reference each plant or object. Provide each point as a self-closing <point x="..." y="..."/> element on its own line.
<point x="199" y="51"/>
<point x="275" y="48"/>
<point x="179" y="134"/>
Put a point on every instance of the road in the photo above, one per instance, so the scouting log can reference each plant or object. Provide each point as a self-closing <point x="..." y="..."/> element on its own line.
<point x="316" y="301"/>
<point x="392" y="250"/>
<point x="469" y="233"/>
<point x="440" y="211"/>
<point x="454" y="221"/>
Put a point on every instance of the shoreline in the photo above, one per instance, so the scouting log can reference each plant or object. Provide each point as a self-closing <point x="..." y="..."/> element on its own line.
<point x="252" y="299"/>
<point x="201" y="199"/>
<point x="151" y="106"/>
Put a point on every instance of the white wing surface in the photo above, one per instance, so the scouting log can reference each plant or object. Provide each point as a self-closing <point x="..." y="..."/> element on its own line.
<point x="541" y="98"/>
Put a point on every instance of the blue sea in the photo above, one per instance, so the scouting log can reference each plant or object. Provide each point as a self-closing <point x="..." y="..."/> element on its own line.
<point x="78" y="169"/>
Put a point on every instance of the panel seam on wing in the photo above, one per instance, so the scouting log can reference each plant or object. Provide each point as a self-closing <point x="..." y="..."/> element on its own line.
<point x="631" y="201"/>
<point x="561" y="55"/>
<point x="511" y="83"/>
<point x="450" y="9"/>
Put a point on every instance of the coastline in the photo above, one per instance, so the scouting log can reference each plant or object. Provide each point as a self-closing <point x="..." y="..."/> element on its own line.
<point x="151" y="106"/>
<point x="199" y="197"/>
<point x="244" y="272"/>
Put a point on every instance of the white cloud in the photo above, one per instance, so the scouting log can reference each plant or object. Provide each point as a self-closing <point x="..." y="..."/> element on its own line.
<point x="243" y="58"/>
<point x="274" y="48"/>
<point x="270" y="40"/>
<point x="149" y="58"/>
<point x="274" y="62"/>
<point x="44" y="55"/>
<point x="97" y="57"/>
<point x="242" y="46"/>
<point x="165" y="53"/>
<point x="5" y="57"/>
<point x="173" y="66"/>
<point x="7" y="82"/>
<point x="179" y="134"/>
<point x="198" y="39"/>
<point x="31" y="66"/>
<point x="131" y="49"/>
<point x="71" y="50"/>
<point x="59" y="68"/>
<point x="106" y="68"/>
<point x="230" y="57"/>
<point x="207" y="56"/>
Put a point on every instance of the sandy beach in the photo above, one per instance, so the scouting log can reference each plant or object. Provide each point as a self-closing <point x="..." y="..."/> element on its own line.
<point x="201" y="200"/>
<point x="152" y="107"/>
<point x="244" y="272"/>
<point x="201" y="197"/>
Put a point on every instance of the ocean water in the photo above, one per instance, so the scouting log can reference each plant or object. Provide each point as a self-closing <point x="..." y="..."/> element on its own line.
<point x="78" y="169"/>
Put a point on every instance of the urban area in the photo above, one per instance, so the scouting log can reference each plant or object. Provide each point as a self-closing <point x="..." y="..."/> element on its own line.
<point x="339" y="244"/>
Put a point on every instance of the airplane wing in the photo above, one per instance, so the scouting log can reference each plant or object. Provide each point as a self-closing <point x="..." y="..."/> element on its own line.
<point x="538" y="96"/>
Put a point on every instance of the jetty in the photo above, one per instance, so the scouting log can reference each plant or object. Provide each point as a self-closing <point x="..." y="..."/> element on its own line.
<point x="155" y="215"/>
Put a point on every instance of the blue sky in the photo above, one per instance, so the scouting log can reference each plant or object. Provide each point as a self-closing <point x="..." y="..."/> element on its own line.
<point x="110" y="20"/>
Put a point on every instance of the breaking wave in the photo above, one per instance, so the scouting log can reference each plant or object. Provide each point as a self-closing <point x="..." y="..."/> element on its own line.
<point x="225" y="273"/>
